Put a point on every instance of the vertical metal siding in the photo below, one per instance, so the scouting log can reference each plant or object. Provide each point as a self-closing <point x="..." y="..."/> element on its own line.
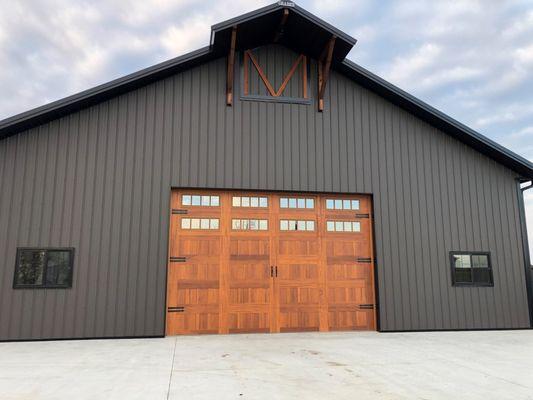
<point x="99" y="180"/>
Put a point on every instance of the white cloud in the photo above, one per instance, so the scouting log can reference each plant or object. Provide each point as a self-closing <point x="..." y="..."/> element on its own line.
<point x="407" y="66"/>
<point x="510" y="113"/>
<point x="189" y="36"/>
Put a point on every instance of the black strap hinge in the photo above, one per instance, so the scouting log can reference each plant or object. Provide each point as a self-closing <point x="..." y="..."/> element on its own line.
<point x="176" y="211"/>
<point x="362" y="215"/>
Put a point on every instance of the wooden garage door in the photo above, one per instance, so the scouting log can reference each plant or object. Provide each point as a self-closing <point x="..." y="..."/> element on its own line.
<point x="269" y="262"/>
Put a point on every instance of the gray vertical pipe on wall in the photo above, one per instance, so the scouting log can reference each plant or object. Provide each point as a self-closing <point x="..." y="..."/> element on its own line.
<point x="99" y="180"/>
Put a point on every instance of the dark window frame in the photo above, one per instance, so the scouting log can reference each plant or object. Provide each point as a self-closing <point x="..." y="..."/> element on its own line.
<point x="44" y="285"/>
<point x="473" y="283"/>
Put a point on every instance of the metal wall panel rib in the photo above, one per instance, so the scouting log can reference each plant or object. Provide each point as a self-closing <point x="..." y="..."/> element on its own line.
<point x="99" y="180"/>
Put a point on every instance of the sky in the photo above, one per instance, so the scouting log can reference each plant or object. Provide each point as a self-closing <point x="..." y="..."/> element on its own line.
<point x="471" y="59"/>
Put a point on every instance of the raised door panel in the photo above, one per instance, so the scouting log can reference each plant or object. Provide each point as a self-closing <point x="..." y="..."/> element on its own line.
<point x="348" y="257"/>
<point x="299" y="297"/>
<point x="193" y="294"/>
<point x="298" y="266"/>
<point x="249" y="283"/>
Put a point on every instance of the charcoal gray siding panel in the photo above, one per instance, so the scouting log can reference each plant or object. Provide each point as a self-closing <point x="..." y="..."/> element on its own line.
<point x="99" y="180"/>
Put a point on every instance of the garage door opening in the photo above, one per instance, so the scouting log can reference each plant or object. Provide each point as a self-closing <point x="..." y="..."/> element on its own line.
<point x="243" y="262"/>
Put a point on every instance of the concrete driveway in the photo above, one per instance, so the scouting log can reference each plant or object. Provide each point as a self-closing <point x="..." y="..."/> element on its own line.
<point x="448" y="365"/>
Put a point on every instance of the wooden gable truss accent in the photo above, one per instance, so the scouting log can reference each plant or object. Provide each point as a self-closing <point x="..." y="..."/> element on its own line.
<point x="324" y="65"/>
<point x="279" y="31"/>
<point x="231" y="68"/>
<point x="300" y="60"/>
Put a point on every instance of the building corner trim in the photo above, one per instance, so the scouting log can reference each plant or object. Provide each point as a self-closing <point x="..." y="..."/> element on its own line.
<point x="525" y="245"/>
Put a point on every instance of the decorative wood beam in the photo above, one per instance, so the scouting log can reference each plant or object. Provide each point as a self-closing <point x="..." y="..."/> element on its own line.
<point x="231" y="68"/>
<point x="245" y="67"/>
<point x="324" y="65"/>
<point x="304" y="76"/>
<point x="289" y="75"/>
<point x="262" y="74"/>
<point x="279" y="31"/>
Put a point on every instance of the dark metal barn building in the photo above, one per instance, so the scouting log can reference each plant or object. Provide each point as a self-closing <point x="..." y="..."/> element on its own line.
<point x="261" y="184"/>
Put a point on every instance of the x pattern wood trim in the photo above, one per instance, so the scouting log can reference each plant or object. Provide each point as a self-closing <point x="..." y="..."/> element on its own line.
<point x="301" y="59"/>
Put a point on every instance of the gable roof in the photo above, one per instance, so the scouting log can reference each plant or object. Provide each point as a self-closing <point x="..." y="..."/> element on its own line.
<point x="302" y="32"/>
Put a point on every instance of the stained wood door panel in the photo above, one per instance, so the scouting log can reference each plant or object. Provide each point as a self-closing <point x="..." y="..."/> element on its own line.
<point x="249" y="322"/>
<point x="237" y="278"/>
<point x="343" y="319"/>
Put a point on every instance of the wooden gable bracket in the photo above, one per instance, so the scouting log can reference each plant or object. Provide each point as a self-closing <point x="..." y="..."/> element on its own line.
<point x="324" y="65"/>
<point x="248" y="56"/>
<point x="279" y="31"/>
<point x="231" y="68"/>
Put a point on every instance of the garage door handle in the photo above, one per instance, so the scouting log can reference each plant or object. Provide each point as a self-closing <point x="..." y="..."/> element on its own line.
<point x="271" y="271"/>
<point x="276" y="271"/>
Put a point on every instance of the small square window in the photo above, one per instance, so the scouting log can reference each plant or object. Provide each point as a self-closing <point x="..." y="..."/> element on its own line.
<point x="339" y="225"/>
<point x="43" y="268"/>
<point x="356" y="226"/>
<point x="215" y="201"/>
<point x="213" y="224"/>
<point x="300" y="225"/>
<point x="292" y="203"/>
<point x="284" y="203"/>
<point x="206" y="200"/>
<point x="263" y="225"/>
<point x="186" y="200"/>
<point x="355" y="204"/>
<point x="204" y="223"/>
<point x="346" y="204"/>
<point x="292" y="225"/>
<point x="330" y="226"/>
<point x="347" y="226"/>
<point x="236" y="202"/>
<point x="245" y="224"/>
<point x="263" y="202"/>
<point x="309" y="203"/>
<point x="471" y="269"/>
<point x="236" y="224"/>
<point x="338" y="204"/>
<point x="195" y="223"/>
<point x="301" y="203"/>
<point x="245" y="202"/>
<point x="330" y="204"/>
<point x="185" y="223"/>
<point x="310" y="225"/>
<point x="284" y="225"/>
<point x="254" y="202"/>
<point x="254" y="224"/>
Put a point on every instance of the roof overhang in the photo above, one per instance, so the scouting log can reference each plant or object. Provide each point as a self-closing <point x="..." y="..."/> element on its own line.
<point x="299" y="30"/>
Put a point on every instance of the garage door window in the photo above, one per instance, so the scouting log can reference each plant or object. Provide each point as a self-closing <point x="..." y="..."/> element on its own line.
<point x="199" y="223"/>
<point x="294" y="225"/>
<point x="471" y="269"/>
<point x="253" y="202"/>
<point x="292" y="202"/>
<point x="43" y="268"/>
<point x="343" y="226"/>
<point x="197" y="200"/>
<point x="249" y="224"/>
<point x="342" y="204"/>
